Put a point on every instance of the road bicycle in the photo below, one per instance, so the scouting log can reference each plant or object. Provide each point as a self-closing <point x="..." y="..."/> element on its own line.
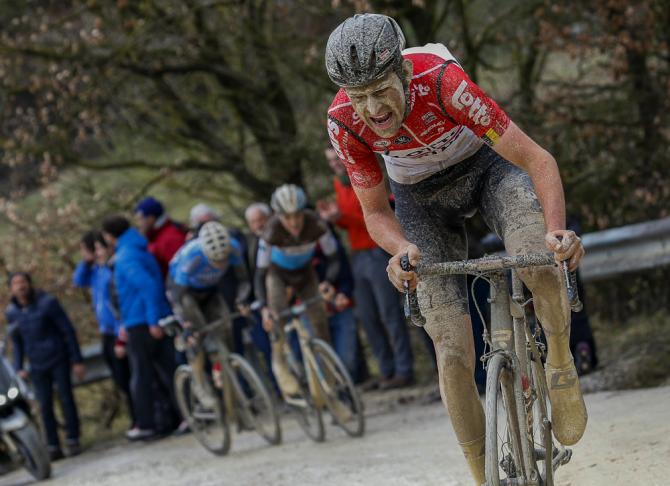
<point x="232" y="391"/>
<point x="520" y="450"/>
<point x="332" y="386"/>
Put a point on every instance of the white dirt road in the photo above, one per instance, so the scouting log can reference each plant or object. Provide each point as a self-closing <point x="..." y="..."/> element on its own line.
<point x="627" y="443"/>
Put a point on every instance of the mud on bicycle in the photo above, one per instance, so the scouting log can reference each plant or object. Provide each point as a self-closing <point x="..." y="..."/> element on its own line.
<point x="230" y="392"/>
<point x="324" y="381"/>
<point x="520" y="449"/>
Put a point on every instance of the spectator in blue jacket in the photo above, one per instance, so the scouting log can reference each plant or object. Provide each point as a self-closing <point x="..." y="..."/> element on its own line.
<point x="42" y="332"/>
<point x="141" y="295"/>
<point x="94" y="273"/>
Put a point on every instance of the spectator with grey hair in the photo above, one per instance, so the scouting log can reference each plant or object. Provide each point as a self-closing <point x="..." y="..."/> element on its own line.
<point x="256" y="215"/>
<point x="200" y="214"/>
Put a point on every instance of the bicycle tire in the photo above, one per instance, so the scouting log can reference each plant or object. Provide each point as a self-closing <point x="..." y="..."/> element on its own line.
<point x="540" y="412"/>
<point x="342" y="389"/>
<point x="201" y="421"/>
<point x="33" y="451"/>
<point x="256" y="398"/>
<point x="308" y="416"/>
<point x="506" y="444"/>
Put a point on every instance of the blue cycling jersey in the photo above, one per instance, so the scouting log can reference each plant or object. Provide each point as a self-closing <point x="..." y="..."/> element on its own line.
<point x="191" y="268"/>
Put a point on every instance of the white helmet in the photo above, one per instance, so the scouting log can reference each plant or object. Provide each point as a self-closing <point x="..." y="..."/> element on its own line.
<point x="215" y="241"/>
<point x="288" y="199"/>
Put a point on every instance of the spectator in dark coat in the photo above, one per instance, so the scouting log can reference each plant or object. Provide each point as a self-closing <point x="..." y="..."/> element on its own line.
<point x="165" y="236"/>
<point x="142" y="302"/>
<point x="42" y="332"/>
<point x="94" y="273"/>
<point x="341" y="318"/>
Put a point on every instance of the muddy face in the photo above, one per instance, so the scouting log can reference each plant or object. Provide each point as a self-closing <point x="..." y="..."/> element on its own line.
<point x="382" y="103"/>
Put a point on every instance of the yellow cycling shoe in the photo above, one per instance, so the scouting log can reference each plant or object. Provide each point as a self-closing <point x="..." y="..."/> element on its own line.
<point x="568" y="411"/>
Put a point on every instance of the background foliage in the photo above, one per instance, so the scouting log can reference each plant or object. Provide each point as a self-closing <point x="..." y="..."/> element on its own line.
<point x="102" y="101"/>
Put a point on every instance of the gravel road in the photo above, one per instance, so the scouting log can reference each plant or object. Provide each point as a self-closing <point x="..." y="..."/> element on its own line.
<point x="627" y="443"/>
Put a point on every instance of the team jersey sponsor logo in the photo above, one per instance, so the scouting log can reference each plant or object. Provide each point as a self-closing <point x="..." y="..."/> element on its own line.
<point x="402" y="140"/>
<point x="438" y="146"/>
<point x="491" y="136"/>
<point x="478" y="112"/>
<point x="437" y="127"/>
<point x="303" y="249"/>
<point x="423" y="89"/>
<point x="360" y="179"/>
<point x="382" y="144"/>
<point x="429" y="117"/>
<point x="333" y="132"/>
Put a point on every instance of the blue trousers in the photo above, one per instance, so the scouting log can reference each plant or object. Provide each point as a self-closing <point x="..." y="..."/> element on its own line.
<point x="379" y="310"/>
<point x="44" y="381"/>
<point x="344" y="338"/>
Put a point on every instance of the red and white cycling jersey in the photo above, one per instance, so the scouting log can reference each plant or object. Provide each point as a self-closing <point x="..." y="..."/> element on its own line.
<point x="450" y="118"/>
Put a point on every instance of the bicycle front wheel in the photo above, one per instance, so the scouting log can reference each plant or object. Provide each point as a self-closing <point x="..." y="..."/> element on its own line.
<point x="205" y="415"/>
<point x="342" y="398"/>
<point x="504" y="461"/>
<point x="254" y="401"/>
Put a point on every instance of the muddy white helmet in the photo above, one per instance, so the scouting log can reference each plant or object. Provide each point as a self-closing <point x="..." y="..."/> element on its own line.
<point x="363" y="49"/>
<point x="215" y="240"/>
<point x="288" y="199"/>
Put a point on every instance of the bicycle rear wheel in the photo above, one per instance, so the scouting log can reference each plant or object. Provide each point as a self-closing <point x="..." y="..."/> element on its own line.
<point x="504" y="461"/>
<point x="206" y="420"/>
<point x="254" y="401"/>
<point x="342" y="398"/>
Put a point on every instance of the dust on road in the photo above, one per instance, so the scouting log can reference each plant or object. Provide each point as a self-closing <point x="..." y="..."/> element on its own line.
<point x="627" y="442"/>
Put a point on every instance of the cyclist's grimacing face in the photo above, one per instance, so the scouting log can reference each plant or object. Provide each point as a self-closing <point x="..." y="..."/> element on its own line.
<point x="293" y="222"/>
<point x="381" y="104"/>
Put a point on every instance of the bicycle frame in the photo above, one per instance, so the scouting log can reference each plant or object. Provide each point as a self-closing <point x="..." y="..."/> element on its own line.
<point x="511" y="337"/>
<point x="309" y="360"/>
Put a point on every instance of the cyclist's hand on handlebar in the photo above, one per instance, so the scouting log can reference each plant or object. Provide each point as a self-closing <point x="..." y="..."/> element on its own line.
<point x="395" y="272"/>
<point x="268" y="319"/>
<point x="566" y="245"/>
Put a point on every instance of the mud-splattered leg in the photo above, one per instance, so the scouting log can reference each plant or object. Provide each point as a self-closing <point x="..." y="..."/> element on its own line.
<point x="511" y="208"/>
<point x="443" y="301"/>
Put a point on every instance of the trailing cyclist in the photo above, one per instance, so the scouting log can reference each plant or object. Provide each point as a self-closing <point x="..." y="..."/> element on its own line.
<point x="284" y="263"/>
<point x="194" y="288"/>
<point x="451" y="151"/>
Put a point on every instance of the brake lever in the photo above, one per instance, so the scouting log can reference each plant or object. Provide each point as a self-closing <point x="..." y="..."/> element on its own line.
<point x="411" y="302"/>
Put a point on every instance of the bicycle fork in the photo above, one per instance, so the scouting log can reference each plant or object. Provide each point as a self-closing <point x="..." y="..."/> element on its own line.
<point x="508" y="337"/>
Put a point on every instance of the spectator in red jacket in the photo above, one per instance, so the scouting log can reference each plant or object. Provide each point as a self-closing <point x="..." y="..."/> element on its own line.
<point x="377" y="302"/>
<point x="164" y="235"/>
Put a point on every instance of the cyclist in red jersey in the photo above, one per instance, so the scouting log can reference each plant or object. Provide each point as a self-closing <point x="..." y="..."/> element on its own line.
<point x="450" y="151"/>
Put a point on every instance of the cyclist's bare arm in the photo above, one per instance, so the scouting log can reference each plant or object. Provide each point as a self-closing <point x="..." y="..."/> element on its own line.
<point x="517" y="147"/>
<point x="385" y="229"/>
